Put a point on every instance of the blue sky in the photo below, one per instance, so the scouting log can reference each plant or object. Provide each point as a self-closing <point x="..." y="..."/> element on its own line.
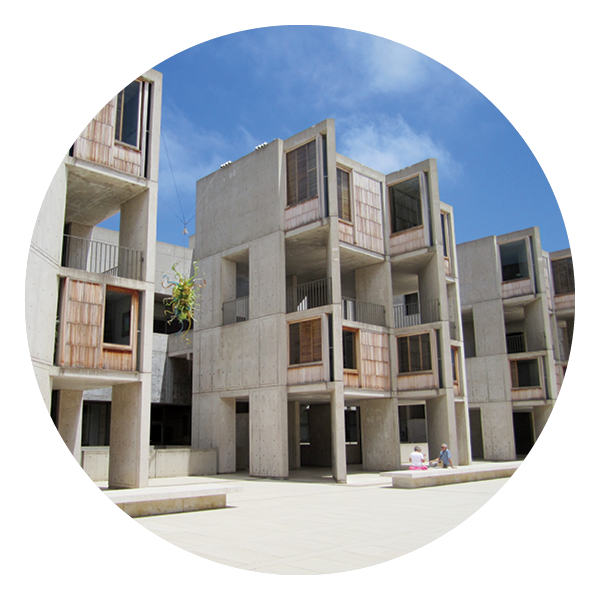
<point x="393" y="107"/>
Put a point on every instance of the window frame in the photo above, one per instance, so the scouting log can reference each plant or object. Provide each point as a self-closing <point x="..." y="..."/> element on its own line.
<point x="393" y="230"/>
<point x="514" y="374"/>
<point x="314" y="361"/>
<point x="140" y="116"/>
<point x="294" y="155"/>
<point x="566" y="273"/>
<point x="420" y="337"/>
<point x="528" y="260"/>
<point x="133" y="320"/>
<point x="355" y="342"/>
<point x="340" y="201"/>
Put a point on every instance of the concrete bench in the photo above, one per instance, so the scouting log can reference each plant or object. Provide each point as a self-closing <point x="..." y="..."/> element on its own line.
<point x="462" y="474"/>
<point x="143" y="502"/>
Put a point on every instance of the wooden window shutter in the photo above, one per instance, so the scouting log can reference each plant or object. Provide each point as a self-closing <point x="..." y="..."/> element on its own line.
<point x="316" y="340"/>
<point x="294" y="331"/>
<point x="514" y="374"/>
<point x="301" y="174"/>
<point x="343" y="191"/>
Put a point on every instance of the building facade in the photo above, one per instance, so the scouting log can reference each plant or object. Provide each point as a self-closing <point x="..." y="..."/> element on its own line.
<point x="518" y="305"/>
<point x="330" y="330"/>
<point x="90" y="303"/>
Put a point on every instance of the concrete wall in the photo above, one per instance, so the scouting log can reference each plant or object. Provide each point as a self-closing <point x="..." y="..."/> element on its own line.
<point x="380" y="434"/>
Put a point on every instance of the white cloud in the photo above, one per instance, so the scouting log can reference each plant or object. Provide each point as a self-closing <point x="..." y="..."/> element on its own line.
<point x="389" y="144"/>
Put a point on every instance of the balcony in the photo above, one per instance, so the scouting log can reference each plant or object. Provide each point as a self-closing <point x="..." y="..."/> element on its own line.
<point x="408" y="315"/>
<point x="308" y="295"/>
<point x="363" y="312"/>
<point x="99" y="257"/>
<point x="517" y="343"/>
<point x="236" y="311"/>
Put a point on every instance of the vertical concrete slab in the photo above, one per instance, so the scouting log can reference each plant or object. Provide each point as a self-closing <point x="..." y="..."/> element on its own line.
<point x="130" y="435"/>
<point x="380" y="434"/>
<point x="498" y="431"/>
<point x="338" y="434"/>
<point x="69" y="420"/>
<point x="441" y="426"/>
<point x="541" y="414"/>
<point x="269" y="433"/>
<point x="463" y="433"/>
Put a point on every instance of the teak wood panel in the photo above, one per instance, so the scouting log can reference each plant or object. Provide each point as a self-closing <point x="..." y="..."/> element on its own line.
<point x="306" y="374"/>
<point x="97" y="144"/>
<point x="300" y="214"/>
<point x="527" y="394"/>
<point x="346" y="232"/>
<point x="416" y="381"/>
<point x="406" y="241"/>
<point x="520" y="287"/>
<point x="565" y="302"/>
<point x="368" y="213"/>
<point x="351" y="379"/>
<point x="374" y="360"/>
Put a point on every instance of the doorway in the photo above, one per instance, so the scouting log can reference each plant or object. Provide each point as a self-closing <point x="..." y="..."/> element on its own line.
<point x="524" y="438"/>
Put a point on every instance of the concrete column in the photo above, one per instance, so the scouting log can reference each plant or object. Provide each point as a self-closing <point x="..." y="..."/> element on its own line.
<point x="541" y="414"/>
<point x="380" y="434"/>
<point x="213" y="426"/>
<point x="441" y="426"/>
<point x="463" y="433"/>
<point x="269" y="432"/>
<point x="338" y="434"/>
<point x="130" y="434"/>
<point x="498" y="431"/>
<point x="294" y="434"/>
<point x="70" y="410"/>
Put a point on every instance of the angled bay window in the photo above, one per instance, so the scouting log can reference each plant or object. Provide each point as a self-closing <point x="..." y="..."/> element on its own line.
<point x="343" y="195"/>
<point x="513" y="258"/>
<point x="414" y="353"/>
<point x="562" y="273"/>
<point x="305" y="342"/>
<point x="406" y="204"/>
<point x="129" y="104"/>
<point x="302" y="174"/>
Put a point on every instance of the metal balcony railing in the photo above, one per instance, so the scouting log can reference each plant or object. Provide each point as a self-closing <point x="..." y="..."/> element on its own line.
<point x="236" y="311"/>
<point x="407" y="315"/>
<point x="308" y="295"/>
<point x="99" y="257"/>
<point x="519" y="342"/>
<point x="363" y="312"/>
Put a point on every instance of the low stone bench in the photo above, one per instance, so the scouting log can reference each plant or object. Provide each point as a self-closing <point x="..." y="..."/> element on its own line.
<point x="143" y="502"/>
<point x="440" y="476"/>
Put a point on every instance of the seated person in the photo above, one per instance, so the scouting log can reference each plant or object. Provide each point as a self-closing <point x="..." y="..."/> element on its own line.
<point x="417" y="460"/>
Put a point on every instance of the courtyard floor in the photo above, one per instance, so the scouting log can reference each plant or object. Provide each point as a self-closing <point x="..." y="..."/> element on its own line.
<point x="311" y="525"/>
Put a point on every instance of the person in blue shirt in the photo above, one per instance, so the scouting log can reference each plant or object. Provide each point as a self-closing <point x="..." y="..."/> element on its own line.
<point x="444" y="459"/>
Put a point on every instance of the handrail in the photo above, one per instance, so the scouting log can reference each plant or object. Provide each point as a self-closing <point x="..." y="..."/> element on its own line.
<point x="308" y="295"/>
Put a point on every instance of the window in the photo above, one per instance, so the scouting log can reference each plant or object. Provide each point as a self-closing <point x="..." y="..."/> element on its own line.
<point x="446" y="233"/>
<point x="349" y="348"/>
<point x="302" y="174"/>
<point x="343" y="195"/>
<point x="127" y="127"/>
<point x="455" y="365"/>
<point x="405" y="201"/>
<point x="117" y="317"/>
<point x="525" y="373"/>
<point x="513" y="257"/>
<point x="351" y="424"/>
<point x="562" y="273"/>
<point x="305" y="342"/>
<point x="414" y="353"/>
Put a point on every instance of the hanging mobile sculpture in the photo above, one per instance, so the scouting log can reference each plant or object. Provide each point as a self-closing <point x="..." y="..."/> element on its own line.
<point x="182" y="303"/>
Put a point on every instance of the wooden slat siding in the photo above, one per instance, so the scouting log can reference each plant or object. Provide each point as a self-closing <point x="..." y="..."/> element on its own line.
<point x="520" y="287"/>
<point x="374" y="360"/>
<point x="564" y="302"/>
<point x="82" y="329"/>
<point x="527" y="394"/>
<point x="308" y="374"/>
<point x="409" y="240"/>
<point x="116" y="360"/>
<point x="303" y="213"/>
<point x="351" y="379"/>
<point x="368" y="213"/>
<point x="417" y="381"/>
<point x="346" y="232"/>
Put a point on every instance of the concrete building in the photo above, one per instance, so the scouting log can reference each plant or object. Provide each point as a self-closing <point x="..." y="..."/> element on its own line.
<point x="90" y="303"/>
<point x="518" y="306"/>
<point x="330" y="331"/>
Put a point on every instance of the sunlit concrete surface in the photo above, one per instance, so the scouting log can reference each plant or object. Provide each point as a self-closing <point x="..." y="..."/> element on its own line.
<point x="311" y="525"/>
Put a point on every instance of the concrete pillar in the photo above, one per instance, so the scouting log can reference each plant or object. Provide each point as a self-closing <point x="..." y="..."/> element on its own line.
<point x="541" y="414"/>
<point x="380" y="434"/>
<point x="294" y="434"/>
<point x="338" y="434"/>
<point x="130" y="434"/>
<point x="213" y="426"/>
<point x="498" y="431"/>
<point x="463" y="433"/>
<point x="441" y="427"/>
<point x="70" y="410"/>
<point x="269" y="432"/>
